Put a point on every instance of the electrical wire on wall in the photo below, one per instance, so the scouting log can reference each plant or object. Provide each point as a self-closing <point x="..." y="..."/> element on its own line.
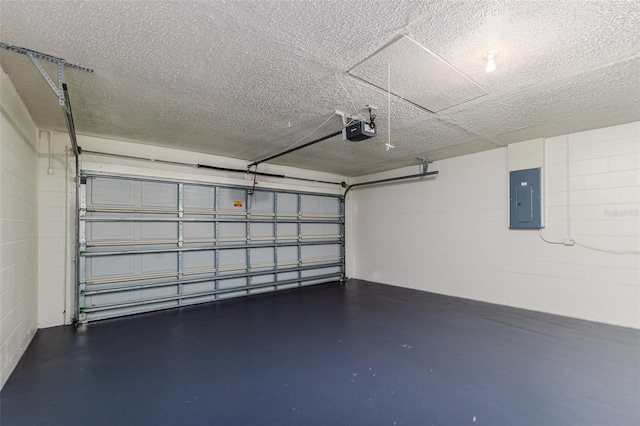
<point x="632" y="252"/>
<point x="570" y="240"/>
<point x="548" y="241"/>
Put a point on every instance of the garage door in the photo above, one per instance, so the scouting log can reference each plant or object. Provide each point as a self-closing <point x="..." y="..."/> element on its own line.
<point x="147" y="244"/>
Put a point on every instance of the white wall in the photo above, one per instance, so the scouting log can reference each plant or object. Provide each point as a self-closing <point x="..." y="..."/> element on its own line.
<point x="57" y="200"/>
<point x="450" y="234"/>
<point x="56" y="230"/>
<point x="18" y="228"/>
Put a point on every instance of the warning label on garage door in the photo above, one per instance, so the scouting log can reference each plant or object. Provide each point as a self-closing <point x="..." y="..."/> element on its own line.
<point x="237" y="203"/>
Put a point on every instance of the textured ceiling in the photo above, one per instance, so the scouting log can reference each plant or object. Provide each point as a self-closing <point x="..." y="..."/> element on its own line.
<point x="400" y="69"/>
<point x="246" y="79"/>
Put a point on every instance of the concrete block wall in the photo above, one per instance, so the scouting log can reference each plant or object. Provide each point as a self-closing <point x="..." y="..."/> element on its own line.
<point x="55" y="219"/>
<point x="450" y="234"/>
<point x="18" y="228"/>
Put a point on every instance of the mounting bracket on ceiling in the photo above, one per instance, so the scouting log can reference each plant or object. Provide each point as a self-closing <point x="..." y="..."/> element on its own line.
<point x="345" y="118"/>
<point x="425" y="164"/>
<point x="34" y="55"/>
<point x="60" y="90"/>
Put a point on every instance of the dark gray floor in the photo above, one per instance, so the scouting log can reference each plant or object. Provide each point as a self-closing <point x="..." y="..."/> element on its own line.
<point x="360" y="354"/>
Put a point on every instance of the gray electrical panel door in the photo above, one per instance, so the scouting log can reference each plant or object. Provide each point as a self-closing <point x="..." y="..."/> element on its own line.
<point x="525" y="199"/>
<point x="149" y="244"/>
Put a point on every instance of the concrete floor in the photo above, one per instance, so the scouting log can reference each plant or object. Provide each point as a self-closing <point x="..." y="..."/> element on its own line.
<point x="354" y="354"/>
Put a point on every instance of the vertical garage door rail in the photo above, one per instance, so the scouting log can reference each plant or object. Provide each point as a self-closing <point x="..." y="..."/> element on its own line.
<point x="146" y="244"/>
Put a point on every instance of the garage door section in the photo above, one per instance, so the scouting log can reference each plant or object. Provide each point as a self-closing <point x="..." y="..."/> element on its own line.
<point x="148" y="244"/>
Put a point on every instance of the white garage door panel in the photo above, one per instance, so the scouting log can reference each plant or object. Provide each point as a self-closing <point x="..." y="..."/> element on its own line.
<point x="118" y="266"/>
<point x="232" y="258"/>
<point x="132" y="296"/>
<point x="263" y="279"/>
<point x="232" y="231"/>
<point x="111" y="192"/>
<point x="198" y="197"/>
<point x="132" y="231"/>
<point x="321" y="271"/>
<point x="232" y="283"/>
<point x="198" y="260"/>
<point x="154" y="231"/>
<point x="287" y="286"/>
<point x="317" y="205"/>
<point x="287" y="254"/>
<point x="287" y="230"/>
<point x="110" y="231"/>
<point x="201" y="299"/>
<point x="105" y="299"/>
<point x="161" y="262"/>
<point x="262" y="290"/>
<point x="261" y="256"/>
<point x="203" y="287"/>
<point x="148" y="244"/>
<point x="262" y="230"/>
<point x="232" y="200"/>
<point x="231" y="295"/>
<point x="152" y="293"/>
<point x="111" y="266"/>
<point x="319" y="229"/>
<point x="198" y="231"/>
<point x="119" y="312"/>
<point x="319" y="252"/>
<point x="159" y="195"/>
<point x="262" y="202"/>
<point x="287" y="204"/>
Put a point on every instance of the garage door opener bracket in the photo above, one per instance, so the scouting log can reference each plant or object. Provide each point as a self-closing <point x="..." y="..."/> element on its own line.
<point x="35" y="55"/>
<point x="60" y="90"/>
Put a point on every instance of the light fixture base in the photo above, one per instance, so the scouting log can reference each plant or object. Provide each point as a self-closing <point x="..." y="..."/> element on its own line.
<point x="490" y="57"/>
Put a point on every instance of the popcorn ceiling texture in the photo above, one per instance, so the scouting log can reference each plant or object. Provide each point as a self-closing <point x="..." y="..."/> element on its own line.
<point x="246" y="79"/>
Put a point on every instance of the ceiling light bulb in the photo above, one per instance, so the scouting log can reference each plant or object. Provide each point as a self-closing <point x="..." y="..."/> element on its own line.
<point x="491" y="60"/>
<point x="491" y="65"/>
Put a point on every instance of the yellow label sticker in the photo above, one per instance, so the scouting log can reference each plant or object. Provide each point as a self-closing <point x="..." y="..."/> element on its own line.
<point x="237" y="203"/>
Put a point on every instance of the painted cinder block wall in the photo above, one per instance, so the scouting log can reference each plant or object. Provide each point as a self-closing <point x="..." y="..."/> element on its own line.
<point x="56" y="200"/>
<point x="18" y="228"/>
<point x="450" y="234"/>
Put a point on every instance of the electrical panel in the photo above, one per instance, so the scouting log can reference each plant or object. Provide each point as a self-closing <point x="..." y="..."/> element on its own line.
<point x="525" y="199"/>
